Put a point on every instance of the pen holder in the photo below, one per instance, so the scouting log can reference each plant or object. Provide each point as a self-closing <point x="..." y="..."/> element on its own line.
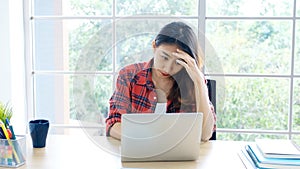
<point x="12" y="152"/>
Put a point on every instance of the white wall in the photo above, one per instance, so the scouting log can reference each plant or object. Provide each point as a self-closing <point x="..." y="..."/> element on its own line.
<point x="12" y="72"/>
<point x="5" y="72"/>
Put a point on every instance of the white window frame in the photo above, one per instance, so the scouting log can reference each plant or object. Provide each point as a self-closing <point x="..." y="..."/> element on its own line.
<point x="202" y="18"/>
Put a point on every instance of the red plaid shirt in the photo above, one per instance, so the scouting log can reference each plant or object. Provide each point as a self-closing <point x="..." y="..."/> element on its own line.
<point x="135" y="93"/>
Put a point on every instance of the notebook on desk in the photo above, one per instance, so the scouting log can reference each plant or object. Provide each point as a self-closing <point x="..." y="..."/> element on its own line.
<point x="161" y="137"/>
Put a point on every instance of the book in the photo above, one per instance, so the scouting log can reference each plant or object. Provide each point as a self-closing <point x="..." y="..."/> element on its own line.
<point x="281" y="161"/>
<point x="263" y="163"/>
<point x="246" y="159"/>
<point x="278" y="148"/>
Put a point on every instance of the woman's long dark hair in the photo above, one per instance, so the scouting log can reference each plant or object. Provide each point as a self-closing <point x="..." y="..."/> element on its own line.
<point x="178" y="33"/>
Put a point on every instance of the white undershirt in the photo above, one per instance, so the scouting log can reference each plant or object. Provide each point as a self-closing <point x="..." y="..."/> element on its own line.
<point x="160" y="108"/>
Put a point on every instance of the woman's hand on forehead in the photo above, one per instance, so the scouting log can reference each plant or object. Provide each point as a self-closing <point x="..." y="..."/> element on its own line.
<point x="184" y="57"/>
<point x="188" y="63"/>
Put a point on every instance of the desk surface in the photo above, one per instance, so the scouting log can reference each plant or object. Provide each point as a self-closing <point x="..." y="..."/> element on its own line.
<point x="67" y="151"/>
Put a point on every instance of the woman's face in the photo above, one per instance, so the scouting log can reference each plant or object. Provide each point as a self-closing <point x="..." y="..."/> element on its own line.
<point x="165" y="63"/>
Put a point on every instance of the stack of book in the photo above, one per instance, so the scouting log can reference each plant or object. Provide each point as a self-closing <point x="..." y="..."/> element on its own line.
<point x="271" y="153"/>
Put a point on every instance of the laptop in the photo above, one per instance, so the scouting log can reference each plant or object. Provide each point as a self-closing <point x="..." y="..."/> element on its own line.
<point x="161" y="137"/>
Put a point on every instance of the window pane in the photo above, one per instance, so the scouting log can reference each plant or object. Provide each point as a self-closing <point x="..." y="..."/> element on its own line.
<point x="254" y="103"/>
<point x="249" y="8"/>
<point x="251" y="46"/>
<point x="72" y="7"/>
<point x="296" y="104"/>
<point x="296" y="138"/>
<point x="63" y="98"/>
<point x="89" y="97"/>
<point x="297" y="48"/>
<point x="298" y="9"/>
<point x="157" y="7"/>
<point x="134" y="38"/>
<point x="247" y="137"/>
<point x="76" y="45"/>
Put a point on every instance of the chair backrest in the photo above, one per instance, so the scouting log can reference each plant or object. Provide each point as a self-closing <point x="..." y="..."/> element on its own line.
<point x="211" y="85"/>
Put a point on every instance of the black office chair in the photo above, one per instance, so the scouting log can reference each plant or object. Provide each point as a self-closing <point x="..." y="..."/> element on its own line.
<point x="211" y="85"/>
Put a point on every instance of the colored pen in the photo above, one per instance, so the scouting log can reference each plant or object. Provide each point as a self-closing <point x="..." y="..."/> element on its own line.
<point x="2" y="136"/>
<point x="7" y="122"/>
<point x="10" y="128"/>
<point x="9" y="141"/>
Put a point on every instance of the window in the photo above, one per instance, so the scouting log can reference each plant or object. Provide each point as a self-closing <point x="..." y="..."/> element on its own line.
<point x="77" y="47"/>
<point x="256" y="44"/>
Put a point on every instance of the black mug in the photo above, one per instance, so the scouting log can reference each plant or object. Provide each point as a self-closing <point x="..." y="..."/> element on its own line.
<point x="38" y="132"/>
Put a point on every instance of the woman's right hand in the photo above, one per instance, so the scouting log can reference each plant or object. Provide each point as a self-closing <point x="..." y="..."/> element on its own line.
<point x="115" y="131"/>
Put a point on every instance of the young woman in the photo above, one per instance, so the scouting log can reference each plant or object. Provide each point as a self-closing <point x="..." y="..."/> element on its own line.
<point x="173" y="76"/>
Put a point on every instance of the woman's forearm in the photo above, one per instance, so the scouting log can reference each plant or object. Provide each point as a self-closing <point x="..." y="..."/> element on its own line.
<point x="203" y="105"/>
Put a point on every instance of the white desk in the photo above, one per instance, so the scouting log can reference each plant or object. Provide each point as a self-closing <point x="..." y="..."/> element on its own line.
<point x="66" y="151"/>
